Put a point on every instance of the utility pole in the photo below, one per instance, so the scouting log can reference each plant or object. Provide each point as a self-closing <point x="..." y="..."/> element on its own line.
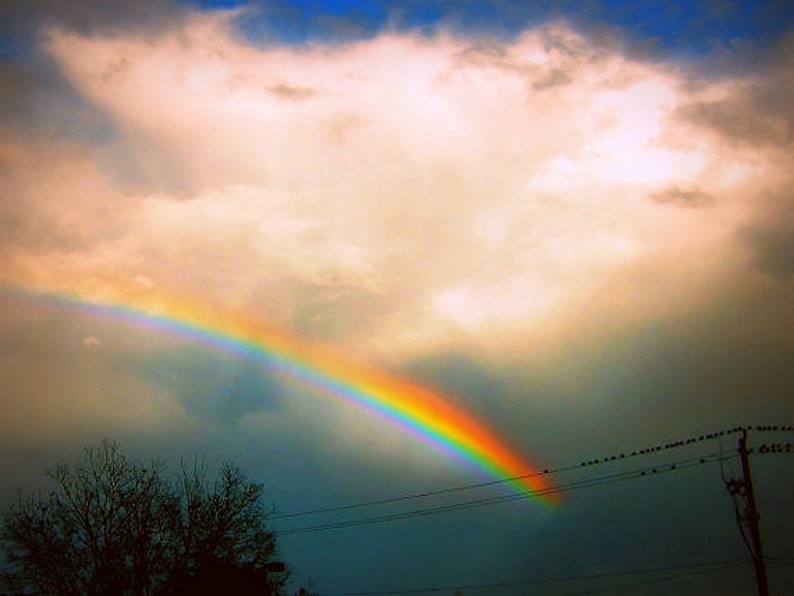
<point x="747" y="515"/>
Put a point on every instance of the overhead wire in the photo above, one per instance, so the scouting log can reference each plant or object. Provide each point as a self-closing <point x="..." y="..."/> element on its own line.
<point x="683" y="571"/>
<point x="420" y="495"/>
<point x="700" y="570"/>
<point x="499" y="499"/>
<point x="671" y="573"/>
<point x="716" y="435"/>
<point x="502" y="481"/>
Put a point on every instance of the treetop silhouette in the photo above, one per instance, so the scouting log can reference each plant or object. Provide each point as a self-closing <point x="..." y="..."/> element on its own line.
<point x="115" y="525"/>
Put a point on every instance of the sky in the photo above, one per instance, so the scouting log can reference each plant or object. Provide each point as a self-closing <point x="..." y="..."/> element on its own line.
<point x="573" y="221"/>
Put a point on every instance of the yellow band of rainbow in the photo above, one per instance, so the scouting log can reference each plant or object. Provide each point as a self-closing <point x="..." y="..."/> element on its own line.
<point x="414" y="408"/>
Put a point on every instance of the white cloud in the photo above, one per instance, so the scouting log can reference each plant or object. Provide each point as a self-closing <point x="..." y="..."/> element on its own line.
<point x="436" y="187"/>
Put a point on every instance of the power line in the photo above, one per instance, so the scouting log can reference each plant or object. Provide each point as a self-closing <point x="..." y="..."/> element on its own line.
<point x="682" y="571"/>
<point x="420" y="495"/>
<point x="668" y="574"/>
<point x="701" y="570"/>
<point x="501" y="481"/>
<point x="494" y="500"/>
<point x="585" y="463"/>
<point x="622" y="456"/>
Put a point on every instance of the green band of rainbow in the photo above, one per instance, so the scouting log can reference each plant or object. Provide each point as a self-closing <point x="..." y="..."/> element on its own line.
<point x="416" y="409"/>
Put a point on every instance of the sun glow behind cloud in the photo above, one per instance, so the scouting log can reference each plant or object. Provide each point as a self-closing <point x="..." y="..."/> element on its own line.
<point x="446" y="179"/>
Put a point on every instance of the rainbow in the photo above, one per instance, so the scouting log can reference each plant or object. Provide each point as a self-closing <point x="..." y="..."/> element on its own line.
<point x="416" y="409"/>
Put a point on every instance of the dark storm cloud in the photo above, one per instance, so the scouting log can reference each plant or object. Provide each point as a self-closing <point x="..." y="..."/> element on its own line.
<point x="212" y="387"/>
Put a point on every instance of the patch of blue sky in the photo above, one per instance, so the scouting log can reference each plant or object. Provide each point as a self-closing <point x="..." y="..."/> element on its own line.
<point x="700" y="25"/>
<point x="677" y="25"/>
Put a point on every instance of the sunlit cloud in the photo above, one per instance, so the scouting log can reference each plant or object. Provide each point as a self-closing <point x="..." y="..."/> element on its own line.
<point x="455" y="187"/>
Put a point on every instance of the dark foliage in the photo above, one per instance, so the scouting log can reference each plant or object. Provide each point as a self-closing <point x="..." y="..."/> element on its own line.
<point x="116" y="526"/>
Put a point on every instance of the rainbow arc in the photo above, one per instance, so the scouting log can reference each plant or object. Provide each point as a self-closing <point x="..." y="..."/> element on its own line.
<point x="416" y="409"/>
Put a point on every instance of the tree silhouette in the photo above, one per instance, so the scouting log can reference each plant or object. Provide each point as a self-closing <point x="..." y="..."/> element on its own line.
<point x="117" y="526"/>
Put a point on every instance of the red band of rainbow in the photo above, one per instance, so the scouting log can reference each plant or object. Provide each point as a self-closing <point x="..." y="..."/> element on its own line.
<point x="416" y="409"/>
